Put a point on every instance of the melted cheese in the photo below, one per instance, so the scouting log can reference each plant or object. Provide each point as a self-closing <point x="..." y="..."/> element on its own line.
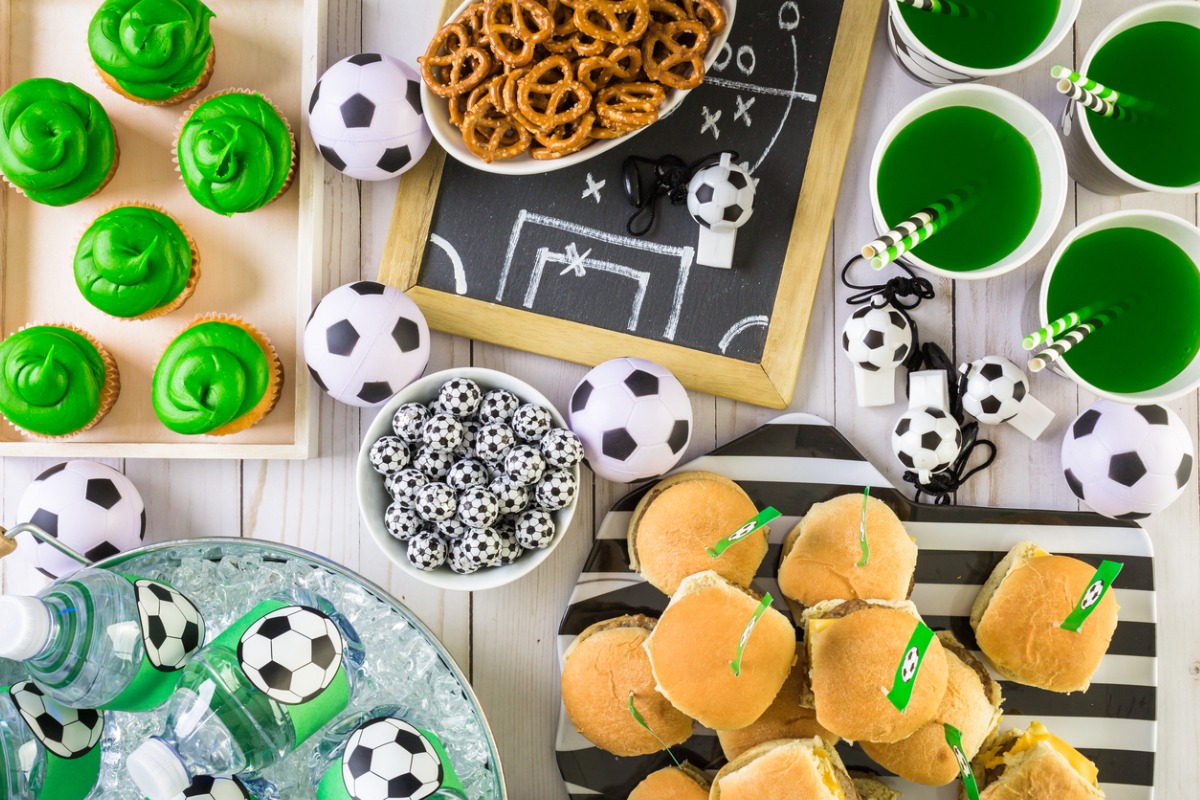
<point x="827" y="775"/>
<point x="1039" y="553"/>
<point x="818" y="625"/>
<point x="1037" y="733"/>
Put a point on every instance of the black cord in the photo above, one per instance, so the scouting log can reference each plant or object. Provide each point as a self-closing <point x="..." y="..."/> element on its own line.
<point x="890" y="293"/>
<point x="671" y="176"/>
<point x="943" y="484"/>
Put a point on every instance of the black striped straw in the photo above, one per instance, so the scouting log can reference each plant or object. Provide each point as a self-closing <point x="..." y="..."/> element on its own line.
<point x="947" y="7"/>
<point x="1063" y="344"/>
<point x="1092" y="101"/>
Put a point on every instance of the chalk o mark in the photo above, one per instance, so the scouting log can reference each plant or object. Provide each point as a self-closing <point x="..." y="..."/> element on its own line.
<point x="460" y="274"/>
<point x="723" y="58"/>
<point x="756" y="321"/>
<point x="789" y="16"/>
<point x="746" y="60"/>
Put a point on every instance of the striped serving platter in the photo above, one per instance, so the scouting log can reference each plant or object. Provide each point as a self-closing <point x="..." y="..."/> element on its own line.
<point x="797" y="460"/>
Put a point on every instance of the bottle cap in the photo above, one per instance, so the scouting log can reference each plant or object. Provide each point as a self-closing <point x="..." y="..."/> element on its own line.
<point x="157" y="770"/>
<point x="24" y="626"/>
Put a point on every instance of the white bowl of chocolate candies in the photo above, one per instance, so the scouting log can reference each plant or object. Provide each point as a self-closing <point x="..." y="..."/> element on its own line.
<point x="468" y="478"/>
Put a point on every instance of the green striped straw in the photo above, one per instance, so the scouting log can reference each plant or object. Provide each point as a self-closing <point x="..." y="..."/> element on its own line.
<point x="1047" y="333"/>
<point x="910" y="226"/>
<point x="944" y="7"/>
<point x="945" y="211"/>
<point x="1061" y="73"/>
<point x="1072" y="338"/>
<point x="1093" y="102"/>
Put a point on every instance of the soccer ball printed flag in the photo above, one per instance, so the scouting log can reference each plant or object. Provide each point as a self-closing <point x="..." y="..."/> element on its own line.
<point x="65" y="732"/>
<point x="388" y="759"/>
<point x="1127" y="462"/>
<point x="172" y="627"/>
<point x="292" y="654"/>
<point x="366" y="119"/>
<point x="213" y="787"/>
<point x="90" y="507"/>
<point x="364" y="342"/>
<point x="633" y="417"/>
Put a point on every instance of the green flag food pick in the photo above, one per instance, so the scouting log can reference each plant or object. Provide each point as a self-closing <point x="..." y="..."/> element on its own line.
<point x="748" y="527"/>
<point x="954" y="739"/>
<point x="640" y="720"/>
<point x="1106" y="573"/>
<point x="910" y="664"/>
<point x="862" y="530"/>
<point x="736" y="664"/>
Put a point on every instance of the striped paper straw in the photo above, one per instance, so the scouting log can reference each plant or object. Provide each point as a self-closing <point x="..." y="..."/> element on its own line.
<point x="908" y="227"/>
<point x="1098" y="89"/>
<point x="1072" y="338"/>
<point x="1092" y="102"/>
<point x="944" y="7"/>
<point x="1059" y="326"/>
<point x="947" y="211"/>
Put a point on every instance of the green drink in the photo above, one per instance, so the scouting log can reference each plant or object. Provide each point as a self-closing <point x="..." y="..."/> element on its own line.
<point x="1157" y="334"/>
<point x="961" y="149"/>
<point x="984" y="34"/>
<point x="1158" y="64"/>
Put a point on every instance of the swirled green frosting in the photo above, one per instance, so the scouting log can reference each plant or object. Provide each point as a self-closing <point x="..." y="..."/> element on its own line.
<point x="52" y="380"/>
<point x="132" y="260"/>
<point x="56" y="143"/>
<point x="235" y="152"/>
<point x="212" y="374"/>
<point x="154" y="49"/>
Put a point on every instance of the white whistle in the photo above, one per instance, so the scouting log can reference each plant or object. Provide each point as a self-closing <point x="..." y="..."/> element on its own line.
<point x="721" y="200"/>
<point x="997" y="391"/>
<point x="877" y="340"/>
<point x="927" y="439"/>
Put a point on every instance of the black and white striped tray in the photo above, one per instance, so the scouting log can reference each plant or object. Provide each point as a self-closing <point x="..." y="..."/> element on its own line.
<point x="798" y="460"/>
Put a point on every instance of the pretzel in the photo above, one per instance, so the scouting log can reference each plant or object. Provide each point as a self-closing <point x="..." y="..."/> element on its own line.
<point x="673" y="54"/>
<point x="626" y="107"/>
<point x="472" y="19"/>
<point x="549" y="95"/>
<point x="565" y="139"/>
<point x="452" y="65"/>
<point x="599" y="71"/>
<point x="618" y="22"/>
<point x="708" y="12"/>
<point x="492" y="135"/>
<point x="663" y="11"/>
<point x="515" y="28"/>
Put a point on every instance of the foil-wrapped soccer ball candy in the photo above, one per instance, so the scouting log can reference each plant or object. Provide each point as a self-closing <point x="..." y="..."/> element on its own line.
<point x="435" y="502"/>
<point x="427" y="551"/>
<point x="450" y="529"/>
<point x="458" y="562"/>
<point x="510" y="547"/>
<point x="561" y="449"/>
<point x="402" y="522"/>
<point x="470" y="432"/>
<point x="531" y="422"/>
<point x="434" y="463"/>
<point x="498" y="405"/>
<point x="511" y="496"/>
<point x="556" y="490"/>
<point x="408" y="421"/>
<point x="534" y="529"/>
<point x="467" y="473"/>
<point x="389" y="454"/>
<point x="478" y="507"/>
<point x="403" y="485"/>
<point x="442" y="432"/>
<point x="479" y="546"/>
<point x="459" y="397"/>
<point x="524" y="464"/>
<point x="493" y="441"/>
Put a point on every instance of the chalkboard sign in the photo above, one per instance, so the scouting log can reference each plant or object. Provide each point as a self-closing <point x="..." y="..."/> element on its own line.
<point x="545" y="262"/>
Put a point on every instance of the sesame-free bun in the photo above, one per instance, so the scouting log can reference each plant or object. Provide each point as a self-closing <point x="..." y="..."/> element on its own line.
<point x="854" y="648"/>
<point x="785" y="769"/>
<point x="871" y="788"/>
<point x="1040" y="772"/>
<point x="697" y="637"/>
<point x="601" y="667"/>
<point x="1018" y="614"/>
<point x="821" y="553"/>
<point x="971" y="704"/>
<point x="785" y="718"/>
<point x="684" y="782"/>
<point x="683" y="515"/>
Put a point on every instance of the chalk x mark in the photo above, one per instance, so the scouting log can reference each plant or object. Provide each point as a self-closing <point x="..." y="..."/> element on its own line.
<point x="575" y="261"/>
<point x="743" y="109"/>
<point x="757" y="321"/>
<point x="544" y="257"/>
<point x="593" y="189"/>
<point x="460" y="274"/>
<point x="710" y="122"/>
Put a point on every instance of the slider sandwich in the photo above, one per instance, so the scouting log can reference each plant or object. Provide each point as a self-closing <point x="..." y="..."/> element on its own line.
<point x="1033" y="764"/>
<point x="684" y="782"/>
<point x="786" y="718"/>
<point x="785" y="769"/>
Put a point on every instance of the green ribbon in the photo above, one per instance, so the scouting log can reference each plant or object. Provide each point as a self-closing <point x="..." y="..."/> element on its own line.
<point x="640" y="720"/>
<point x="910" y="664"/>
<point x="1106" y="573"/>
<point x="862" y="530"/>
<point x="954" y="739"/>
<point x="736" y="664"/>
<point x="748" y="527"/>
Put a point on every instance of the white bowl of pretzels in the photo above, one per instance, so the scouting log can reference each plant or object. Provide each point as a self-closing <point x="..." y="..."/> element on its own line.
<point x="521" y="87"/>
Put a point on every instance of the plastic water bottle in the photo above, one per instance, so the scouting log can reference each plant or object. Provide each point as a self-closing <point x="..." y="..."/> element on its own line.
<point x="46" y="749"/>
<point x="101" y="639"/>
<point x="252" y="695"/>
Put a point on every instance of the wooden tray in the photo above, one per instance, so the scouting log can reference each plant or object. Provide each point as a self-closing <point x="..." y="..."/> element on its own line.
<point x="260" y="266"/>
<point x="798" y="460"/>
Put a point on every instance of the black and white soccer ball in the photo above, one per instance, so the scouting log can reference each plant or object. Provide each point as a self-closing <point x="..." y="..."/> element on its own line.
<point x="480" y="546"/>
<point x="459" y="397"/>
<point x="435" y="502"/>
<point x="877" y="338"/>
<point x="91" y="508"/>
<point x="995" y="390"/>
<point x="1127" y="462"/>
<point x="442" y="432"/>
<point x="403" y="485"/>
<point x="478" y="507"/>
<point x="388" y="759"/>
<point x="466" y="473"/>
<point x="172" y="626"/>
<point x="557" y="489"/>
<point x="216" y="787"/>
<point x="561" y="448"/>
<point x="291" y="654"/>
<point x="721" y="197"/>
<point x="498" y="405"/>
<point x="409" y="420"/>
<point x="493" y="441"/>
<point x="511" y="495"/>
<point x="364" y="342"/>
<point x="65" y="732"/>
<point x="534" y="529"/>
<point x="525" y="464"/>
<point x="531" y="422"/>
<point x="633" y="417"/>
<point x="389" y="454"/>
<point x="427" y="551"/>
<point x="365" y="117"/>
<point x="926" y="441"/>
<point x="434" y="463"/>
<point x="402" y="522"/>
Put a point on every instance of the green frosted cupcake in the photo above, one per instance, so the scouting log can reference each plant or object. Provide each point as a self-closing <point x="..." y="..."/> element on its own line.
<point x="56" y="380"/>
<point x="219" y="376"/>
<point x="235" y="152"/>
<point x="57" y="145"/>
<point x="136" y="262"/>
<point x="154" y="52"/>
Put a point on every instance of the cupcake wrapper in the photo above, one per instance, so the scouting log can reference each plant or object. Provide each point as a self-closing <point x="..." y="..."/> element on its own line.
<point x="287" y="183"/>
<point x="108" y="394"/>
<point x="187" y="94"/>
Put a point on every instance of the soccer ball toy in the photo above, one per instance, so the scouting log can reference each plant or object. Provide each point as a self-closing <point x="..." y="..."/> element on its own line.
<point x="365" y="117"/>
<point x="927" y="439"/>
<point x="997" y="391"/>
<point x="292" y="654"/>
<point x="877" y="340"/>
<point x="364" y="342"/>
<point x="388" y="759"/>
<point x="91" y="508"/>
<point x="721" y="199"/>
<point x="1127" y="462"/>
<point x="65" y="732"/>
<point x="633" y="418"/>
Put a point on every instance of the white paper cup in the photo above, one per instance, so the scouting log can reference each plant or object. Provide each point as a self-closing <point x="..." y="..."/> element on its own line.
<point x="1089" y="164"/>
<point x="1182" y="233"/>
<point x="928" y="67"/>
<point x="1047" y="149"/>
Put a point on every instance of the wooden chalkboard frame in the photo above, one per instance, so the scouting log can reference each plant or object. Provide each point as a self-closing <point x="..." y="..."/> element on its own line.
<point x="770" y="382"/>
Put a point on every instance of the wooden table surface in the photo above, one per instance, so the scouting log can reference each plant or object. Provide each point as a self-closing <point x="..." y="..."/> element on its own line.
<point x="505" y="638"/>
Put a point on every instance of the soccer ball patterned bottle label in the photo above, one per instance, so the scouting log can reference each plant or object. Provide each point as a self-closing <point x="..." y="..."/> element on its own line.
<point x="69" y="737"/>
<point x="388" y="759"/>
